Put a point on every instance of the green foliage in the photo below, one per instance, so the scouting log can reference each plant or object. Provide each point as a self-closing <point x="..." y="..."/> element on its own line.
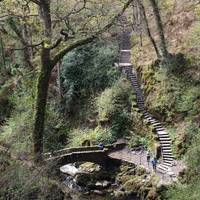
<point x="113" y="107"/>
<point x="193" y="156"/>
<point x="99" y="134"/>
<point x="113" y="100"/>
<point x="87" y="71"/>
<point x="21" y="182"/>
<point x="172" y="95"/>
<point x="183" y="136"/>
<point x="18" y="127"/>
<point x="189" y="100"/>
<point x="17" y="130"/>
<point x="184" y="192"/>
<point x="78" y="136"/>
<point x="56" y="130"/>
<point x="136" y="141"/>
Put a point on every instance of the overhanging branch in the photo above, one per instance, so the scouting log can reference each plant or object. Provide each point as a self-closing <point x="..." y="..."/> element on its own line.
<point x="89" y="39"/>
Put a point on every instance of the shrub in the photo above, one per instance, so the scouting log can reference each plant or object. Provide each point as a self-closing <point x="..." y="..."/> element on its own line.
<point x="87" y="71"/>
<point x="113" y="107"/>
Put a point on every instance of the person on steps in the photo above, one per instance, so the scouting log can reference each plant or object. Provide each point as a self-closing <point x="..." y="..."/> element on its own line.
<point x="148" y="158"/>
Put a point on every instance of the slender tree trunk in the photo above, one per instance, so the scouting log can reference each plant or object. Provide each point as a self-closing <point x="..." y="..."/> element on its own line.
<point x="41" y="100"/>
<point x="163" y="45"/>
<point x="148" y="29"/>
<point x="27" y="50"/>
<point x="24" y="40"/>
<point x="59" y="81"/>
<point x="2" y="54"/>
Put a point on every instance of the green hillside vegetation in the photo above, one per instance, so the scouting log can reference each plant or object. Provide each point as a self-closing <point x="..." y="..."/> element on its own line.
<point x="89" y="99"/>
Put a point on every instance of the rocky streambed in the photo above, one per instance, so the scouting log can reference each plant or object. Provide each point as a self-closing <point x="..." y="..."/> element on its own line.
<point x="90" y="181"/>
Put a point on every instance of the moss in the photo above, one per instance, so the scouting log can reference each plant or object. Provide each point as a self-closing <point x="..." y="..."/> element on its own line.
<point x="133" y="185"/>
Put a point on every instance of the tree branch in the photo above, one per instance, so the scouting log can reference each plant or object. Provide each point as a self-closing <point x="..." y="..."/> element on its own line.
<point x="36" y="2"/>
<point x="27" y="46"/>
<point x="89" y="39"/>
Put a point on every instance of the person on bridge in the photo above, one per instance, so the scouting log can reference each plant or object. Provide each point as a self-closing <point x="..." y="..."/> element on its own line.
<point x="101" y="146"/>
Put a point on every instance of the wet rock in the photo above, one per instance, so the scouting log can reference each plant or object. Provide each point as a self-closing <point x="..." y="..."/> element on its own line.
<point x="102" y="184"/>
<point x="98" y="192"/>
<point x="70" y="170"/>
<point x="83" y="179"/>
<point x="106" y="184"/>
<point x="99" y="185"/>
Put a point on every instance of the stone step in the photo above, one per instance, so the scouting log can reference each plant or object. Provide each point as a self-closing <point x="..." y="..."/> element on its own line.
<point x="157" y="126"/>
<point x="125" y="50"/>
<point x="125" y="64"/>
<point x="168" y="161"/>
<point x="148" y="116"/>
<point x="163" y="167"/>
<point x="161" y="132"/>
<point x="140" y="100"/>
<point x="166" y="151"/>
<point x="136" y="88"/>
<point x="132" y="76"/>
<point x="167" y="155"/>
<point x="165" y="142"/>
<point x="164" y="139"/>
<point x="163" y="135"/>
<point x="160" y="129"/>
<point x="168" y="158"/>
<point x="166" y="147"/>
<point x="157" y="123"/>
<point x="168" y="164"/>
<point x="153" y="120"/>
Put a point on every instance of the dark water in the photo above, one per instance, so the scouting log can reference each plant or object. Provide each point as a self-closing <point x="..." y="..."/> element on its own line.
<point x="77" y="192"/>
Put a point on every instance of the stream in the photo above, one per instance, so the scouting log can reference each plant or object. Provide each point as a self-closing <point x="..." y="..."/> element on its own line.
<point x="95" y="185"/>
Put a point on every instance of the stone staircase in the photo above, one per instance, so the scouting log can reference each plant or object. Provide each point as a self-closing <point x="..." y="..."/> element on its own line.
<point x="164" y="138"/>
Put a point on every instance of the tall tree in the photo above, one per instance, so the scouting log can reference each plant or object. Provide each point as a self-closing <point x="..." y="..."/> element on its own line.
<point x="146" y="24"/>
<point x="59" y="27"/>
<point x="163" y="46"/>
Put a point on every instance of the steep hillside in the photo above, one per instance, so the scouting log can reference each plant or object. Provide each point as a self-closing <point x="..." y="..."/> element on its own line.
<point x="173" y="91"/>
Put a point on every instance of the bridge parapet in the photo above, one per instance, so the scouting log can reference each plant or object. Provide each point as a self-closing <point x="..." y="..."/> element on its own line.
<point x="82" y="149"/>
<point x="83" y="154"/>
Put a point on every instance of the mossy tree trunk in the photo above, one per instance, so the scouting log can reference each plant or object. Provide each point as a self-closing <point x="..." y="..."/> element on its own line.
<point x="40" y="107"/>
<point x="43" y="81"/>
<point x="163" y="46"/>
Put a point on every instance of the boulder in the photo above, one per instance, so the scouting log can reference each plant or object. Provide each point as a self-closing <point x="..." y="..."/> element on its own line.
<point x="70" y="170"/>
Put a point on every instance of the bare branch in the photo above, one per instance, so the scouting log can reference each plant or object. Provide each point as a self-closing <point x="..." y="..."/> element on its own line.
<point x="89" y="39"/>
<point x="28" y="46"/>
<point x="56" y="43"/>
<point x="36" y="2"/>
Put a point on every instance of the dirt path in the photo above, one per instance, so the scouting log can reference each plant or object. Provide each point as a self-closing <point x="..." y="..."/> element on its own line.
<point x="139" y="158"/>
